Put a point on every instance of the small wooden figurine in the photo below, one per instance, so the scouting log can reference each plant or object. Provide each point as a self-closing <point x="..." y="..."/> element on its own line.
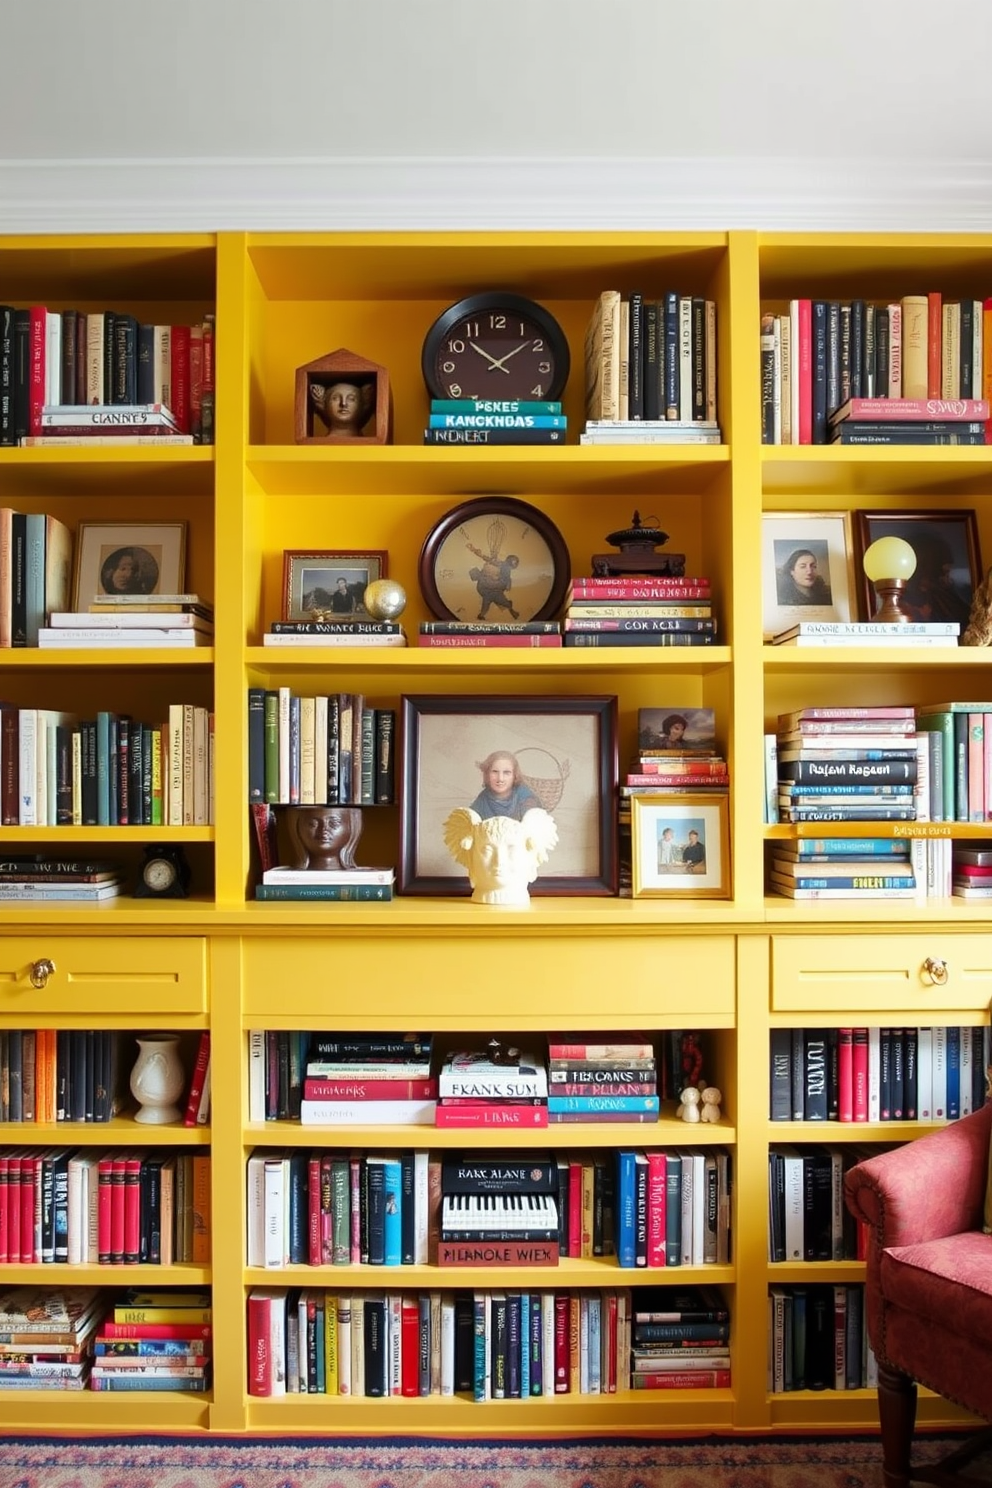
<point x="342" y="398"/>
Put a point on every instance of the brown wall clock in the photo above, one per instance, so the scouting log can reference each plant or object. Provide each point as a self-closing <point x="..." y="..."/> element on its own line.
<point x="494" y="558"/>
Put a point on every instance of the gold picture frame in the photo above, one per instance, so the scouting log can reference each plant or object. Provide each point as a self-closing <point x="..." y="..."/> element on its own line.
<point x="680" y="847"/>
<point x="832" y="593"/>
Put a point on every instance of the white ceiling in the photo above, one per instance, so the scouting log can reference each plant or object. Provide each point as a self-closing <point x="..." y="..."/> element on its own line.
<point x="855" y="98"/>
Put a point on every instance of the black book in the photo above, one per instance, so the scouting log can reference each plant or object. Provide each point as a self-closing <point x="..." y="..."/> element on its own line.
<point x="857" y="347"/>
<point x="500" y="1341"/>
<point x="564" y="1178"/>
<point x="798" y="1073"/>
<point x="464" y="1343"/>
<point x="90" y="1071"/>
<point x="819" y="371"/>
<point x="966" y="374"/>
<point x="493" y="436"/>
<point x="256" y="744"/>
<point x="88" y="772"/>
<point x="146" y="773"/>
<point x="833" y="1073"/>
<point x="901" y="433"/>
<point x="424" y="1344"/>
<point x="847" y="772"/>
<point x="780" y="1094"/>
<point x="854" y="1334"/>
<point x="654" y="317"/>
<point x="815" y="1065"/>
<point x="817" y="1204"/>
<point x="767" y="379"/>
<point x="897" y="1077"/>
<point x="22" y="374"/>
<point x="124" y="388"/>
<point x="641" y="1213"/>
<point x="77" y="1076"/>
<point x="46" y="1197"/>
<point x="63" y="775"/>
<point x="385" y="756"/>
<point x="670" y="383"/>
<point x="834" y="399"/>
<point x="885" y="1074"/>
<point x="513" y="1344"/>
<point x="63" y="1066"/>
<point x="819" y="1337"/>
<point x="60" y="1204"/>
<point x="124" y="772"/>
<point x="881" y="352"/>
<point x="113" y="779"/>
<point x="525" y="1173"/>
<point x="845" y="353"/>
<point x="376" y="1347"/>
<point x="910" y="1074"/>
<point x="135" y="774"/>
<point x="101" y="1074"/>
<point x="153" y="1226"/>
<point x="360" y="1047"/>
<point x="376" y="1209"/>
<point x="18" y="579"/>
<point x="109" y="355"/>
<point x="333" y="749"/>
<point x="15" y="1075"/>
<point x="698" y="357"/>
<point x="70" y="322"/>
<point x="408" y="1227"/>
<point x="6" y="374"/>
<point x="145" y="375"/>
<point x="868" y="383"/>
<point x="298" y="1209"/>
<point x="599" y="1170"/>
<point x="635" y="357"/>
<point x="776" y="1206"/>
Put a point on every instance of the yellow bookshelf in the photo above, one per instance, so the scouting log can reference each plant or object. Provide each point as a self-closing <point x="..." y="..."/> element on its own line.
<point x="218" y="960"/>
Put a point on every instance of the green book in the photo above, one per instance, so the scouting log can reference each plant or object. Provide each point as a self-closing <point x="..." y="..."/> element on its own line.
<point x="271" y="710"/>
<point x="324" y="891"/>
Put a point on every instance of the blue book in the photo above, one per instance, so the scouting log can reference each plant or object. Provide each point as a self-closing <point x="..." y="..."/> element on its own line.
<point x="536" y="1347"/>
<point x="393" y="1225"/>
<point x="864" y="880"/>
<point x="953" y="1104"/>
<point x="493" y="405"/>
<point x="497" y="421"/>
<point x="103" y="769"/>
<point x="625" y="1239"/>
<point x="589" y="1104"/>
<point x="294" y="751"/>
<point x="839" y="847"/>
<point x="525" y="1344"/>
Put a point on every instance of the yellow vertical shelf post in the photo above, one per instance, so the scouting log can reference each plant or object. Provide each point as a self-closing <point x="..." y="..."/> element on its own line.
<point x="749" y="1232"/>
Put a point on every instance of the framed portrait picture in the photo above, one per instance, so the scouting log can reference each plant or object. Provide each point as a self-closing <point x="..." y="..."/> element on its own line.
<point x="680" y="847"/>
<point x="332" y="584"/>
<point x="807" y="568"/>
<point x="948" y="565"/>
<point x="501" y="756"/>
<point x="128" y="558"/>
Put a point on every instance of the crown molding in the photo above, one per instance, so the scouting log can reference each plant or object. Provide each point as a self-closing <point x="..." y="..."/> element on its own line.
<point x="205" y="194"/>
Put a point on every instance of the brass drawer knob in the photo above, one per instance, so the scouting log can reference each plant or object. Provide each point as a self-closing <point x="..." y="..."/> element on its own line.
<point x="935" y="971"/>
<point x="41" y="971"/>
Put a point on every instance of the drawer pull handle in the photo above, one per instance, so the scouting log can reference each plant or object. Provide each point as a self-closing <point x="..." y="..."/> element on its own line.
<point x="41" y="971"/>
<point x="935" y="970"/>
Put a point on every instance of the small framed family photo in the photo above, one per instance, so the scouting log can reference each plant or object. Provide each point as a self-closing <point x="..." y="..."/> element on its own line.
<point x="501" y="756"/>
<point x="948" y="565"/>
<point x="119" y="558"/>
<point x="807" y="568"/>
<point x="680" y="847"/>
<point x="328" y="583"/>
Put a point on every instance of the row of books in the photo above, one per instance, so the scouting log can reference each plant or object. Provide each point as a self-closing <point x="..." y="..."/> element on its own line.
<point x="652" y="362"/>
<point x="83" y="1206"/>
<point x="818" y="1339"/>
<point x="71" y="358"/>
<point x="807" y="1217"/>
<point x="462" y="420"/>
<point x="332" y="750"/>
<point x="67" y="1074"/>
<point x="933" y="1073"/>
<point x="484" y="1344"/>
<point x="921" y="354"/>
<point x="111" y="770"/>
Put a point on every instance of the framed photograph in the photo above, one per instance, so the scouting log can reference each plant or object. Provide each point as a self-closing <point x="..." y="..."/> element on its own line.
<point x="807" y="568"/>
<point x="680" y="847"/>
<point x="948" y="565"/>
<point x="673" y="726"/>
<point x="563" y="756"/>
<point x="128" y="558"/>
<point x="332" y="584"/>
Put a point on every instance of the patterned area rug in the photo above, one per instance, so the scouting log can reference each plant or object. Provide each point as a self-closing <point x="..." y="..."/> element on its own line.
<point x="795" y="1461"/>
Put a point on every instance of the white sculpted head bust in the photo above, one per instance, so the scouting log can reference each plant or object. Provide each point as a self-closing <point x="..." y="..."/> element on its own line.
<point x="502" y="855"/>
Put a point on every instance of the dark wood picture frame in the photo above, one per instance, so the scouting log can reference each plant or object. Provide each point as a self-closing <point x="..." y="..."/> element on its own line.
<point x="342" y="366"/>
<point x="566" y="748"/>
<point x="946" y="547"/>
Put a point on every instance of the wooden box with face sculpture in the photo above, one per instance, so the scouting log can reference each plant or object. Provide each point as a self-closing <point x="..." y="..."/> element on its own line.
<point x="342" y="398"/>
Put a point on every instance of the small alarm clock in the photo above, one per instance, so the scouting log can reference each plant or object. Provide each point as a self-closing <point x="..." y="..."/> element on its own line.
<point x="165" y="873"/>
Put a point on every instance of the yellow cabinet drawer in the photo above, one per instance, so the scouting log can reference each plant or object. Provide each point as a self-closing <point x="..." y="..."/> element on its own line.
<point x="149" y="976"/>
<point x="881" y="973"/>
<point x="493" y="980"/>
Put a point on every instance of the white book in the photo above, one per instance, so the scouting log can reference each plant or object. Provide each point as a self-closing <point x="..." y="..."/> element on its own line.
<point x="127" y="619"/>
<point x="698" y="1208"/>
<point x="63" y="441"/>
<point x="939" y="1065"/>
<point x="297" y="1329"/>
<point x="276" y="1211"/>
<point x="670" y="426"/>
<point x="794" y="378"/>
<point x="343" y="1303"/>
<point x="53" y="356"/>
<point x="776" y="340"/>
<point x="639" y="433"/>
<point x="784" y="324"/>
<point x="874" y="1073"/>
<point x="81" y="637"/>
<point x="771" y="779"/>
<point x="255" y="1209"/>
<point x="421" y="1207"/>
<point x="584" y="1343"/>
<point x="308" y="721"/>
<point x="900" y="643"/>
<point x="256" y="1075"/>
<point x="394" y="1342"/>
<point x="924" y="1074"/>
<point x="346" y="638"/>
<point x="547" y="1343"/>
<point x="284" y="697"/>
<point x="966" y="1067"/>
<point x="200" y="815"/>
<point x="320" y="751"/>
<point x="368" y="1113"/>
<point x="447" y="1343"/>
<point x="27" y="724"/>
<point x="794" y="1205"/>
<point x="277" y="1341"/>
<point x="329" y="875"/>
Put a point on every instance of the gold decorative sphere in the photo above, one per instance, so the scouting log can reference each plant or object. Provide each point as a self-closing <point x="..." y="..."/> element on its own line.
<point x="385" y="599"/>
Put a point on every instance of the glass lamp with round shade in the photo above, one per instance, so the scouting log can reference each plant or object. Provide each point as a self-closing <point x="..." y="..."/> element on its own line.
<point x="890" y="563"/>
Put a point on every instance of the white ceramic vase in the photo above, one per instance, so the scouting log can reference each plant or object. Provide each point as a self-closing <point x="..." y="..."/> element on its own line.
<point x="157" y="1079"/>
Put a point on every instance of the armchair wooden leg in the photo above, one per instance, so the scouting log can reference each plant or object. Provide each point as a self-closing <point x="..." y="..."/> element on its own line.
<point x="897" y="1419"/>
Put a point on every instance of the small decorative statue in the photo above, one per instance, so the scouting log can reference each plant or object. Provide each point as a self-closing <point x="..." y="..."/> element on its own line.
<point x="688" y="1106"/>
<point x="345" y="407"/>
<point x="710" y="1098"/>
<point x="502" y="855"/>
<point x="978" y="631"/>
<point x="325" y="836"/>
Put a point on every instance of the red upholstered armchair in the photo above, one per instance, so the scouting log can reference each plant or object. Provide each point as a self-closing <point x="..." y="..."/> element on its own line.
<point x="928" y="1295"/>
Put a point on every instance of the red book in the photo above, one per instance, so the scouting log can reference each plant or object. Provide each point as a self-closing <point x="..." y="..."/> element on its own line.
<point x="845" y="1074"/>
<point x="482" y="642"/>
<point x="14" y="1209"/>
<point x="986" y="382"/>
<point x="132" y="1209"/>
<point x="973" y="870"/>
<point x="562" y="1349"/>
<point x="36" y="367"/>
<point x="4" y="1223"/>
<point x="657" y="1208"/>
<point x="30" y="1194"/>
<point x="935" y="333"/>
<point x="409" y="1346"/>
<point x="575" y="1207"/>
<point x="609" y="1324"/>
<point x="600" y="1046"/>
<point x="647" y="1087"/>
<point x="607" y="590"/>
<point x="314" y="1208"/>
<point x="690" y="1379"/>
<point x="859" y="1073"/>
<point x="648" y="766"/>
<point x="155" y="1330"/>
<point x="490" y="1116"/>
<point x="105" y="1176"/>
<point x="909" y="410"/>
<point x="315" y="1088"/>
<point x="199" y="1075"/>
<point x="625" y="584"/>
<point x="326" y="1219"/>
<point x="181" y="377"/>
<point x="976" y="767"/>
<point x="195" y="380"/>
<point x="497" y="1253"/>
<point x="684" y="782"/>
<point x="118" y="1178"/>
<point x="805" y="364"/>
<point x="259" y="1352"/>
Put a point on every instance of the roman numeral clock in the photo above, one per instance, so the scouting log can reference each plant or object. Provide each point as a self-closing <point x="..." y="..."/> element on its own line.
<point x="495" y="345"/>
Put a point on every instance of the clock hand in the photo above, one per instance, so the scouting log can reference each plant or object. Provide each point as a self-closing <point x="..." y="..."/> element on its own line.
<point x="509" y="354"/>
<point x="476" y="347"/>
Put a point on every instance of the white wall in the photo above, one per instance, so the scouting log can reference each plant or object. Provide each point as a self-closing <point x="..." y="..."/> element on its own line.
<point x="627" y="113"/>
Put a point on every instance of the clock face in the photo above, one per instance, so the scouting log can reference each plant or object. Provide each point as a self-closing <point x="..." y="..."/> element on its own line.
<point x="159" y="874"/>
<point x="497" y="560"/>
<point x="498" y="346"/>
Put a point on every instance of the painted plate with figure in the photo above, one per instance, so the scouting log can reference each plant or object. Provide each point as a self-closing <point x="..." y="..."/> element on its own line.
<point x="494" y="559"/>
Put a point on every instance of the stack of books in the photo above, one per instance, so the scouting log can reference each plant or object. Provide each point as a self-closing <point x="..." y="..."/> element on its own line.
<point x="369" y="1079"/>
<point x="47" y="1338"/>
<point x="32" y="876"/>
<point x="499" y="1210"/>
<point x="175" y="620"/>
<point x="680" y="1339"/>
<point x="327" y="885"/>
<point x="684" y="757"/>
<point x="869" y="633"/>
<point x="120" y="424"/>
<point x="492" y="1087"/>
<point x="650" y="431"/>
<point x="602" y="1077"/>
<point x="639" y="610"/>
<point x="910" y="421"/>
<point x="449" y="634"/>
<point x="971" y="870"/>
<point x="343" y="631"/>
<point x="490" y="421"/>
<point x="155" y="1340"/>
